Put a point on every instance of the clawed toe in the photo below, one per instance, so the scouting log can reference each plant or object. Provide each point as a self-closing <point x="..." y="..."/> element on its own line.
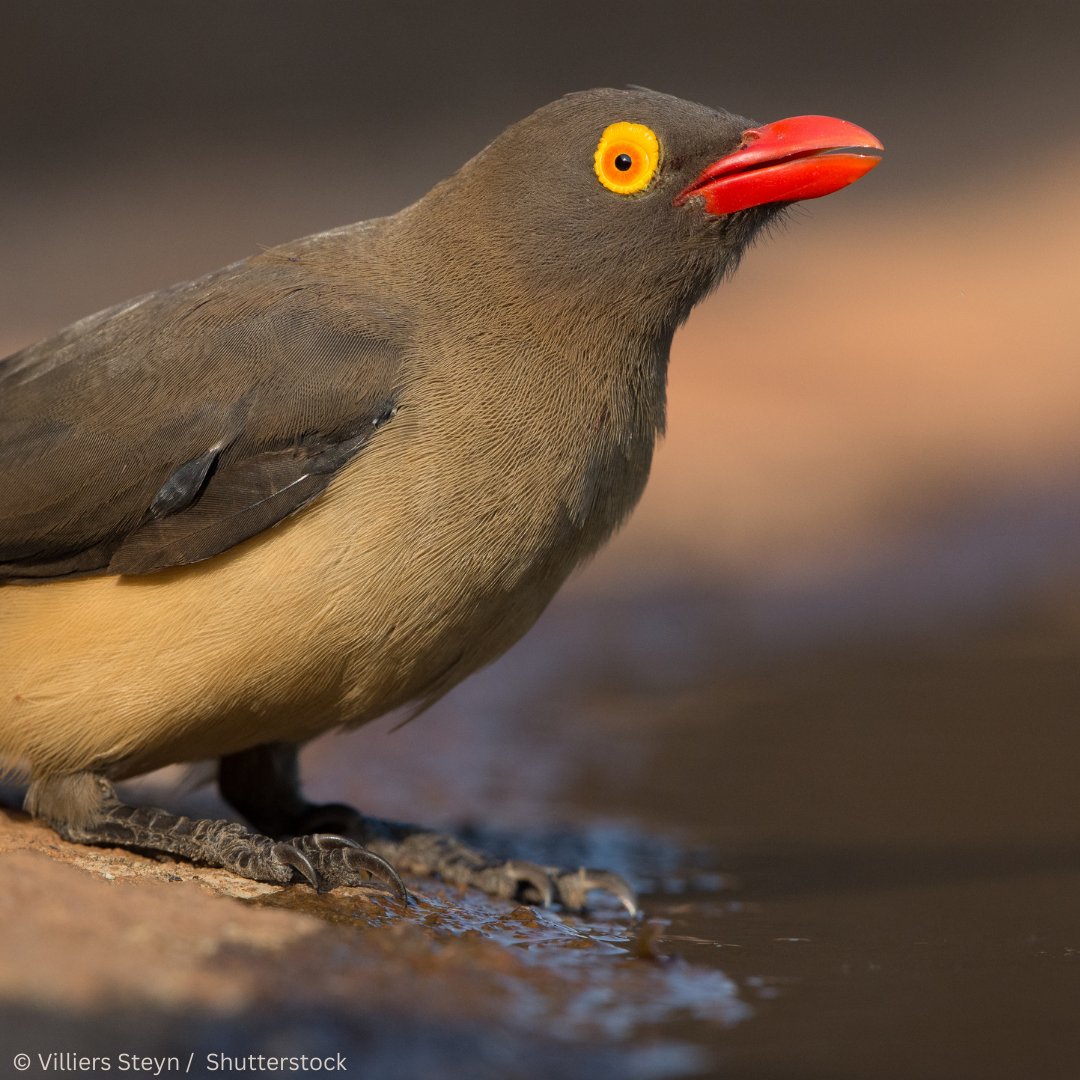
<point x="531" y="883"/>
<point x="545" y="885"/>
<point x="572" y="887"/>
<point x="325" y="860"/>
<point x="290" y="855"/>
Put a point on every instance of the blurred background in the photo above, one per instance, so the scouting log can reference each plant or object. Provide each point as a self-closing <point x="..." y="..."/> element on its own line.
<point x="840" y="635"/>
<point x="890" y="379"/>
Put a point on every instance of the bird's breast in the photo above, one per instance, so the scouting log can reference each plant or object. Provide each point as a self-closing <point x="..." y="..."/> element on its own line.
<point x="453" y="531"/>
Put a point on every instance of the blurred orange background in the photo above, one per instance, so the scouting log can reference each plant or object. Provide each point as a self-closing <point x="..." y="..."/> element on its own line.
<point x="884" y="402"/>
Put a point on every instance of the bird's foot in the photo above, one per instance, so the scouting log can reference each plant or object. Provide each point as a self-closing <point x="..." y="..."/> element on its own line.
<point x="263" y="784"/>
<point x="326" y="860"/>
<point x="323" y="860"/>
<point x="422" y="852"/>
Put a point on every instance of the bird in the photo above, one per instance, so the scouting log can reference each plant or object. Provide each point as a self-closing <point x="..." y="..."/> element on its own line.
<point x="334" y="479"/>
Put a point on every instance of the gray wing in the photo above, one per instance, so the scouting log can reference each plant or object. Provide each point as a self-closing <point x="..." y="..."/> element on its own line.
<point x="167" y="430"/>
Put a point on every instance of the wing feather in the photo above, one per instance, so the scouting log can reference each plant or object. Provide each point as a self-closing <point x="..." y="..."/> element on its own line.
<point x="167" y="430"/>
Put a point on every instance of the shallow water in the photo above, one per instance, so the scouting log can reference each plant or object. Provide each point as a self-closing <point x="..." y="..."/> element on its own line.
<point x="856" y="859"/>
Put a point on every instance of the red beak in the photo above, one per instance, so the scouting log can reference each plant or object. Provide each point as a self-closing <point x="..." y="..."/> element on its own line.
<point x="803" y="157"/>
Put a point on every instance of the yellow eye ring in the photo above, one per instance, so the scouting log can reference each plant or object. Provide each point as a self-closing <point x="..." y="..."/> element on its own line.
<point x="626" y="157"/>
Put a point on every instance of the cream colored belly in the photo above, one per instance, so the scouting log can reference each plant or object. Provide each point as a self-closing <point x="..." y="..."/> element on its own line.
<point x="349" y="609"/>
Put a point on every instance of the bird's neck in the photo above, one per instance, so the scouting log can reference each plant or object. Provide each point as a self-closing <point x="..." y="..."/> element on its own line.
<point x="565" y="387"/>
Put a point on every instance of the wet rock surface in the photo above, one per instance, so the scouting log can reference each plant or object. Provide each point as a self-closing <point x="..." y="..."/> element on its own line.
<point x="107" y="952"/>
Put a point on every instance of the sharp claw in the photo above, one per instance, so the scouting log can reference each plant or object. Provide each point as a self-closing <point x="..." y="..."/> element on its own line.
<point x="531" y="876"/>
<point x="612" y="883"/>
<point x="331" y="841"/>
<point x="352" y="855"/>
<point x="359" y="858"/>
<point x="574" y="887"/>
<point x="294" y="857"/>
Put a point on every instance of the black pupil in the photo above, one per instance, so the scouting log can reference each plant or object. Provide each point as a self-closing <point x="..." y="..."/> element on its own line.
<point x="623" y="162"/>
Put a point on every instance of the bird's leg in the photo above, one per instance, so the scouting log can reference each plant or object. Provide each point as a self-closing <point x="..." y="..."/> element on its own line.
<point x="263" y="784"/>
<point x="84" y="808"/>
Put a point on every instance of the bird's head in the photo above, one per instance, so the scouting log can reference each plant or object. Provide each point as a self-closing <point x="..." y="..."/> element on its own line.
<point x="639" y="198"/>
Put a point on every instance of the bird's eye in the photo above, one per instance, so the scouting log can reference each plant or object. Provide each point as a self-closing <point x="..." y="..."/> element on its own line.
<point x="626" y="157"/>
